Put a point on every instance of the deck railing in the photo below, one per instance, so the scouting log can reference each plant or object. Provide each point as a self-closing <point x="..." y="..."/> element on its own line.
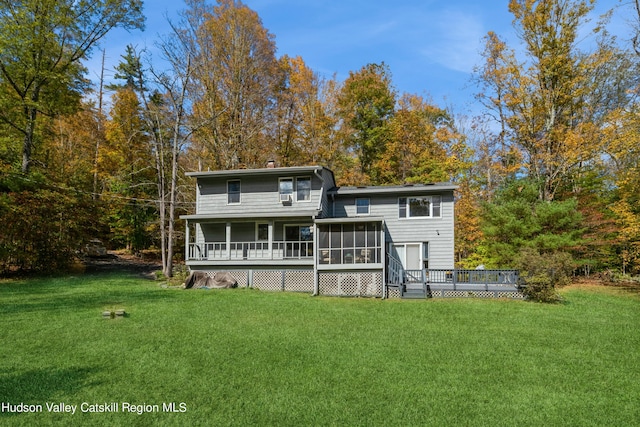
<point x="250" y="250"/>
<point x="507" y="278"/>
<point x="396" y="275"/>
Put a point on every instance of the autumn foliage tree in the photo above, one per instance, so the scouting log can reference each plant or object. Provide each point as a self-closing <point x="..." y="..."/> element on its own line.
<point x="545" y="105"/>
<point x="57" y="35"/>
<point x="366" y="104"/>
<point x="235" y="75"/>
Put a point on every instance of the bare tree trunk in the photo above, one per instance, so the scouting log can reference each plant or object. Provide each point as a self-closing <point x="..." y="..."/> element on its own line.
<point x="175" y="152"/>
<point x="31" y="113"/>
<point x="96" y="156"/>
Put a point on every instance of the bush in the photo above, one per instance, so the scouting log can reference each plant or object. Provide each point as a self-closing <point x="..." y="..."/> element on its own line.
<point x="42" y="229"/>
<point x="543" y="273"/>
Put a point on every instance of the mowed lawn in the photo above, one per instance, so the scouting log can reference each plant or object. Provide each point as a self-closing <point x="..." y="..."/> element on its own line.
<point x="245" y="357"/>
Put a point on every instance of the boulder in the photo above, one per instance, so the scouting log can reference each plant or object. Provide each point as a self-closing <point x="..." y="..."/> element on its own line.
<point x="200" y="279"/>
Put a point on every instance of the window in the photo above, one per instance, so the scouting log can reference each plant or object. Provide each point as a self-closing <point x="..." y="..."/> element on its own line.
<point x="298" y="241"/>
<point x="300" y="233"/>
<point x="425" y="254"/>
<point x="362" y="206"/>
<point x="233" y="192"/>
<point x="303" y="189"/>
<point x="419" y="207"/>
<point x="262" y="232"/>
<point x="286" y="189"/>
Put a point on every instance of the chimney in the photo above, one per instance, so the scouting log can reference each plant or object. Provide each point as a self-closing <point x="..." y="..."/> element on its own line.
<point x="271" y="164"/>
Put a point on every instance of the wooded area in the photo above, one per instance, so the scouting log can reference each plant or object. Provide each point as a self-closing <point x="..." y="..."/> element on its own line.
<point x="548" y="175"/>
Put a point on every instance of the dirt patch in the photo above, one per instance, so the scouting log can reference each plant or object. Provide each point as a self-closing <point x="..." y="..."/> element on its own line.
<point x="585" y="282"/>
<point x="115" y="261"/>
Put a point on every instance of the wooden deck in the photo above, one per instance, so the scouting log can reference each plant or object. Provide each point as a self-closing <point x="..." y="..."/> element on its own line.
<point x="427" y="283"/>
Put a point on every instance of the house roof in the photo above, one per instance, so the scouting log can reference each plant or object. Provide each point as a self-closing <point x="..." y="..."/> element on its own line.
<point x="394" y="189"/>
<point x="350" y="219"/>
<point x="261" y="171"/>
<point x="254" y="215"/>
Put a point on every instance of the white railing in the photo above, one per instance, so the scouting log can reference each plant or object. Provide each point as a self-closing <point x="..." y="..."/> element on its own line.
<point x="214" y="251"/>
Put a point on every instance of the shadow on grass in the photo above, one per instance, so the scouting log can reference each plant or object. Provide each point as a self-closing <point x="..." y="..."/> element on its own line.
<point x="38" y="386"/>
<point x="99" y="291"/>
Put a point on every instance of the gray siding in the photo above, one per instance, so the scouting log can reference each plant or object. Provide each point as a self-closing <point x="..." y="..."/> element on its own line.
<point x="438" y="232"/>
<point x="258" y="194"/>
<point x="325" y="203"/>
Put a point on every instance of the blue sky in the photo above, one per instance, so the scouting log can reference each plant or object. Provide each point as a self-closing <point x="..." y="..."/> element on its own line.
<point x="431" y="46"/>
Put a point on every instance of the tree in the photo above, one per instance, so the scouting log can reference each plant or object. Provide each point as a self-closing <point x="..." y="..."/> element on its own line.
<point x="126" y="167"/>
<point x="366" y="104"/>
<point x="518" y="220"/>
<point x="234" y="78"/>
<point x="549" y="107"/>
<point x="422" y="145"/>
<point x="57" y="35"/>
<point x="174" y="84"/>
<point x="623" y="149"/>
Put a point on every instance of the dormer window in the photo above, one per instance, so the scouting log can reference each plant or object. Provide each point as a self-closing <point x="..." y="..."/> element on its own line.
<point x="233" y="192"/>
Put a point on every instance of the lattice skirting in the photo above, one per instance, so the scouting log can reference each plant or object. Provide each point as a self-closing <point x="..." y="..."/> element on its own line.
<point x="360" y="283"/>
<point x="393" y="293"/>
<point x="441" y="293"/>
<point x="274" y="280"/>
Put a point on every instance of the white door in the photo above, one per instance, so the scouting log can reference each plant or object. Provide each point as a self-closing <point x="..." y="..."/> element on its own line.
<point x="413" y="260"/>
<point x="410" y="255"/>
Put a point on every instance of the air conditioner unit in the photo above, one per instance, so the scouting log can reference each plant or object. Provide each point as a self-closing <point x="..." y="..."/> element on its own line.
<point x="286" y="198"/>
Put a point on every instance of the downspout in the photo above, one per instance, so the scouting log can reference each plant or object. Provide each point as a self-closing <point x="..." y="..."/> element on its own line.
<point x="316" y="173"/>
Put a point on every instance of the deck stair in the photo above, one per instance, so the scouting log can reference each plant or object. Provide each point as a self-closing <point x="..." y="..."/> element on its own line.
<point x="414" y="285"/>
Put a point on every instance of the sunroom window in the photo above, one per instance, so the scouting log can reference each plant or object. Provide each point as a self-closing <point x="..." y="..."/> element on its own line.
<point x="357" y="243"/>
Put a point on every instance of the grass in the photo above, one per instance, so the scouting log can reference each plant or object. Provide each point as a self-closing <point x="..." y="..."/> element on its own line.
<point x="245" y="357"/>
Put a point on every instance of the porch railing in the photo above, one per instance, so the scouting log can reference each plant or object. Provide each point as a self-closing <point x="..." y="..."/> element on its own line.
<point x="250" y="250"/>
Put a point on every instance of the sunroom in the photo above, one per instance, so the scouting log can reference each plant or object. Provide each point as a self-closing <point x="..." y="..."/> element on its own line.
<point x="350" y="243"/>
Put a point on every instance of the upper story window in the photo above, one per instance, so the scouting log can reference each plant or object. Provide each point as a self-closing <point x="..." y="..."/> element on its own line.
<point x="362" y="206"/>
<point x="420" y="207"/>
<point x="286" y="189"/>
<point x="303" y="189"/>
<point x="233" y="191"/>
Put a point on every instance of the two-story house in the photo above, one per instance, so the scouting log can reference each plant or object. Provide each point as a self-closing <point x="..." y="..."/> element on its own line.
<point x="292" y="228"/>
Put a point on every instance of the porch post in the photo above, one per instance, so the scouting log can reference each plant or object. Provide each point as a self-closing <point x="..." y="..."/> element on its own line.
<point x="187" y="242"/>
<point x="270" y="238"/>
<point x="316" y="240"/>
<point x="227" y="235"/>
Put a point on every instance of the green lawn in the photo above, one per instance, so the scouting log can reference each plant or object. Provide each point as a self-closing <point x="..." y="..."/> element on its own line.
<point x="245" y="357"/>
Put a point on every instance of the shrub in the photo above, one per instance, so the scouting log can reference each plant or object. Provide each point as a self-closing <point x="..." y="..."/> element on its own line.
<point x="542" y="273"/>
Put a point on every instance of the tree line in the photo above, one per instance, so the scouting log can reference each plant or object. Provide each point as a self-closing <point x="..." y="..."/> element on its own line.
<point x="547" y="174"/>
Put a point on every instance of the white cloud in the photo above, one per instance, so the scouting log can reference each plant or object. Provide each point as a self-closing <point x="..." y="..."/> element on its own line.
<point x="454" y="41"/>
